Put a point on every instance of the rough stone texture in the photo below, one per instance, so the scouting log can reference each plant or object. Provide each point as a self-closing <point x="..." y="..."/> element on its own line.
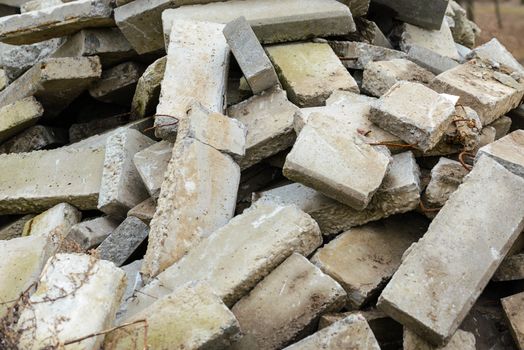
<point x="508" y="151"/>
<point x="196" y="71"/>
<point x="380" y="76"/>
<point x="358" y="8"/>
<point x="53" y="22"/>
<point x="18" y="116"/>
<point x="250" y="55"/>
<point x="55" y="82"/>
<point x="80" y="285"/>
<point x="446" y="177"/>
<point x="430" y="60"/>
<point x="502" y="125"/>
<point x="117" y="84"/>
<point x="192" y="317"/>
<point x="121" y="188"/>
<point x="310" y="72"/>
<point x="144" y="211"/>
<point x="423" y="14"/>
<point x="134" y="282"/>
<point x="35" y="138"/>
<point x="415" y="113"/>
<point x="495" y="51"/>
<point x="464" y="31"/>
<point x="486" y="89"/>
<point x="197" y="197"/>
<point x="368" y="32"/>
<point x="268" y="118"/>
<point x="35" y="5"/>
<point x="123" y="241"/>
<point x="147" y="90"/>
<point x="36" y="181"/>
<point x="513" y="308"/>
<point x="511" y="269"/>
<point x="355" y="55"/>
<point x="353" y="332"/>
<point x="460" y="341"/>
<point x="109" y="44"/>
<point x="88" y="234"/>
<point x="304" y="294"/>
<point x="399" y="193"/>
<point x="439" y="41"/>
<point x="364" y="258"/>
<point x="151" y="163"/>
<point x="15" y="228"/>
<point x="433" y="290"/>
<point x="278" y="230"/>
<point x="4" y="79"/>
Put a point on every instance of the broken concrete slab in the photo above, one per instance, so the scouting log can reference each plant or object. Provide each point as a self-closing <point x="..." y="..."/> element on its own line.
<point x="304" y="294"/>
<point x="121" y="188"/>
<point x="147" y="90"/>
<point x="192" y="317"/>
<point x="151" y="163"/>
<point x="76" y="284"/>
<point x="511" y="269"/>
<point x="439" y="41"/>
<point x="430" y="60"/>
<point x="513" y="308"/>
<point x="18" y="116"/>
<point x="495" y="51"/>
<point x="144" y="211"/>
<point x="508" y="151"/>
<point x="90" y="233"/>
<point x="310" y="72"/>
<point x="363" y="258"/>
<point x="465" y="32"/>
<point x="461" y="340"/>
<point x="502" y="125"/>
<point x="268" y="118"/>
<point x="356" y="55"/>
<point x="358" y="8"/>
<point x="353" y="332"/>
<point x="250" y="55"/>
<point x="53" y="22"/>
<point x="14" y="229"/>
<point x="35" y="5"/>
<point x="433" y="290"/>
<point x="446" y="177"/>
<point x="278" y="230"/>
<point x="54" y="82"/>
<point x="35" y="138"/>
<point x="117" y="84"/>
<point x="369" y="32"/>
<point x="425" y="15"/>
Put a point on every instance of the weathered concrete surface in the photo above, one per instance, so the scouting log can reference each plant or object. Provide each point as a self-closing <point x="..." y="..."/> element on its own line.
<point x="134" y="282"/>
<point x="363" y="258"/>
<point x="78" y="285"/>
<point x="268" y="118"/>
<point x="461" y="340"/>
<point x="399" y="193"/>
<point x="121" y="188"/>
<point x="310" y="72"/>
<point x="35" y="138"/>
<point x="117" y="84"/>
<point x="439" y="41"/>
<point x="508" y="151"/>
<point x="380" y="76"/>
<point x="36" y="181"/>
<point x="446" y="177"/>
<point x="433" y="289"/>
<point x="18" y="116"/>
<point x="430" y="60"/>
<point x="144" y="211"/>
<point x="353" y="332"/>
<point x="88" y="234"/>
<point x="194" y="73"/>
<point x="278" y="230"/>
<point x="304" y="294"/>
<point x="35" y="5"/>
<point x="502" y="125"/>
<point x="53" y="22"/>
<point x="147" y="90"/>
<point x="355" y="55"/>
<point x="488" y="90"/>
<point x="4" y="79"/>
<point x="427" y="15"/>
<point x="55" y="82"/>
<point x="513" y="308"/>
<point x="495" y="51"/>
<point x="151" y="163"/>
<point x="14" y="229"/>
<point x="465" y="32"/>
<point x="192" y="317"/>
<point x="368" y="32"/>
<point x="415" y="113"/>
<point x="511" y="268"/>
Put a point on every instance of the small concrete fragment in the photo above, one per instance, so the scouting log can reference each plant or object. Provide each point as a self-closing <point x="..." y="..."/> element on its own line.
<point x="117" y="84"/>
<point x="192" y="317"/>
<point x="495" y="51"/>
<point x="78" y="285"/>
<point x="353" y="332"/>
<point x="35" y="138"/>
<point x="359" y="8"/>
<point x="147" y="90"/>
<point x="508" y="151"/>
<point x="511" y="269"/>
<point x="460" y="341"/>
<point x="433" y="289"/>
<point x="446" y="177"/>
<point x="90" y="233"/>
<point x="465" y="32"/>
<point x="513" y="308"/>
<point x="144" y="211"/>
<point x="502" y="125"/>
<point x="304" y="294"/>
<point x="18" y="116"/>
<point x="439" y="41"/>
<point x="355" y="55"/>
<point x="423" y="14"/>
<point x="4" y="79"/>
<point x="15" y="228"/>
<point x="151" y="163"/>
<point x="370" y="33"/>
<point x="310" y="72"/>
<point x="53" y="22"/>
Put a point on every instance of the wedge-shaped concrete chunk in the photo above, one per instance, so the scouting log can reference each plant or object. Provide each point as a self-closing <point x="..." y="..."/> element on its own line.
<point x="508" y="151"/>
<point x="88" y="234"/>
<point x="192" y="317"/>
<point x="286" y="305"/>
<point x="53" y="22"/>
<point x="278" y="230"/>
<point x="356" y="55"/>
<point x="461" y="340"/>
<point x="18" y="116"/>
<point x="151" y="163"/>
<point x="147" y="90"/>
<point x="513" y="307"/>
<point x="433" y="290"/>
<point x="446" y="177"/>
<point x="424" y="14"/>
<point x="352" y="332"/>
<point x="144" y="211"/>
<point x="310" y="72"/>
<point x="439" y="41"/>
<point x="494" y="50"/>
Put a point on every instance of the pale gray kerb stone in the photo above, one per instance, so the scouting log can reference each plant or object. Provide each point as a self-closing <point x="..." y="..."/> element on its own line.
<point x="35" y="5"/>
<point x="147" y="90"/>
<point x="35" y="138"/>
<point x="79" y="285"/>
<point x="430" y="60"/>
<point x="461" y="340"/>
<point x="144" y="211"/>
<point x="515" y="314"/>
<point x="278" y="232"/>
<point x="117" y="84"/>
<point x="356" y="55"/>
<point x="352" y="332"/>
<point x="434" y="289"/>
<point x="483" y="87"/>
<point x="446" y="177"/>
<point x="53" y="22"/>
<point x="268" y="118"/>
<point x="364" y="258"/>
<point x="151" y="164"/>
<point x="508" y="151"/>
<point x="250" y="55"/>
<point x="415" y="113"/>
<point x="423" y="14"/>
<point x="495" y="51"/>
<point x="439" y="41"/>
<point x="310" y="72"/>
<point x="18" y="116"/>
<point x="192" y="317"/>
<point x="196" y="71"/>
<point x="286" y="305"/>
<point x="88" y="234"/>
<point x="121" y="187"/>
<point x="197" y="197"/>
<point x="399" y="193"/>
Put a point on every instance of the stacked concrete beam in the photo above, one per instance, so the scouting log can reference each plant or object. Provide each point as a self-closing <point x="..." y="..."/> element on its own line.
<point x="151" y="163"/>
<point x="429" y="59"/>
<point x="425" y="15"/>
<point x="18" y="116"/>
<point x="356" y="55"/>
<point x="147" y="90"/>
<point x="438" y="41"/>
<point x="117" y="84"/>
<point x="508" y="151"/>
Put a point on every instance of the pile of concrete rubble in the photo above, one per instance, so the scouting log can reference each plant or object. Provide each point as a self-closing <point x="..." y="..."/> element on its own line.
<point x="258" y="174"/>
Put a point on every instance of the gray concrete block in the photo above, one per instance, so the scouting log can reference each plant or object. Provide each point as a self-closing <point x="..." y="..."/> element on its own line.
<point x="19" y="115"/>
<point x="508" y="151"/>
<point x="147" y="90"/>
<point x="513" y="308"/>
<point x="430" y="60"/>
<point x="88" y="234"/>
<point x="427" y="15"/>
<point x="461" y="340"/>
<point x="446" y="177"/>
<point x="355" y="55"/>
<point x="439" y="41"/>
<point x="117" y="84"/>
<point x="151" y="163"/>
<point x="495" y="51"/>
<point x="144" y="211"/>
